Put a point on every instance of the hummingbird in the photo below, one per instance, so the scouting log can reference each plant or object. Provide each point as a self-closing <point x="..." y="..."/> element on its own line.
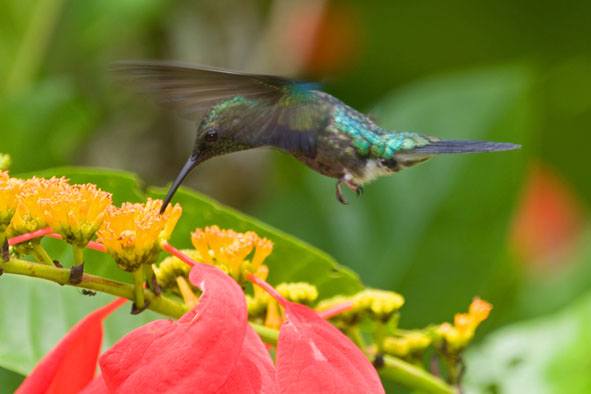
<point x="236" y="111"/>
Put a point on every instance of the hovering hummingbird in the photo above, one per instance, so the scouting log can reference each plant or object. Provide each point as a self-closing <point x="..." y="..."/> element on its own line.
<point x="238" y="111"/>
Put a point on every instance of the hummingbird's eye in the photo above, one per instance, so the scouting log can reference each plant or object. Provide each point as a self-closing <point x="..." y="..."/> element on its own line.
<point x="211" y="136"/>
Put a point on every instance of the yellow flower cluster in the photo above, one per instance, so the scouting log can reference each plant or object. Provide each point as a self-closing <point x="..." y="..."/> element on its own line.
<point x="169" y="269"/>
<point x="378" y="304"/>
<point x="458" y="335"/>
<point x="31" y="204"/>
<point x="132" y="233"/>
<point x="74" y="211"/>
<point x="409" y="344"/>
<point x="229" y="250"/>
<point x="300" y="292"/>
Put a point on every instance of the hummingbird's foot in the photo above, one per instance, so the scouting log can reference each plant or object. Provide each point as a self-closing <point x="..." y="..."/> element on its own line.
<point x="359" y="191"/>
<point x="340" y="196"/>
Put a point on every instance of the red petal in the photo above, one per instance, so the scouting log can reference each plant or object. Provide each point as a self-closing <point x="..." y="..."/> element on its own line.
<point x="71" y="365"/>
<point x="313" y="356"/>
<point x="97" y="386"/>
<point x="196" y="353"/>
<point x="254" y="372"/>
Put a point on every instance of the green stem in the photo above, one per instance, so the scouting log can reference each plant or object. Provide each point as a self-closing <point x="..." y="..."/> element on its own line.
<point x="33" y="45"/>
<point x="139" y="279"/>
<point x="78" y="255"/>
<point x="41" y="254"/>
<point x="61" y="276"/>
<point x="268" y="335"/>
<point x="355" y="334"/>
<point x="411" y="376"/>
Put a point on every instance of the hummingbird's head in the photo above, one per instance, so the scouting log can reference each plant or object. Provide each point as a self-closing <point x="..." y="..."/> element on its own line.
<point x="216" y="135"/>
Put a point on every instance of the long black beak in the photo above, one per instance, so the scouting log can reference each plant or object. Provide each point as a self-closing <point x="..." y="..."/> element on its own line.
<point x="189" y="165"/>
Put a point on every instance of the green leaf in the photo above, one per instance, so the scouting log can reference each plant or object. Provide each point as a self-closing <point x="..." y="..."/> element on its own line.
<point x="9" y="381"/>
<point x="548" y="355"/>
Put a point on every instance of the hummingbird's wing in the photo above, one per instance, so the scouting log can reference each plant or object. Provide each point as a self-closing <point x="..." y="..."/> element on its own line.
<point x="287" y="114"/>
<point x="194" y="90"/>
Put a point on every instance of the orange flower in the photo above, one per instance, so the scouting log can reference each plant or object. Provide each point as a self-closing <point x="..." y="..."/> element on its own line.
<point x="229" y="249"/>
<point x="458" y="335"/>
<point x="76" y="212"/>
<point x="30" y="210"/>
<point x="132" y="234"/>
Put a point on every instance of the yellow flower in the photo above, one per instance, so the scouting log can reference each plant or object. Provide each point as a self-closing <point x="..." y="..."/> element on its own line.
<point x="458" y="335"/>
<point x="30" y="210"/>
<point x="171" y="267"/>
<point x="229" y="249"/>
<point x="300" y="292"/>
<point x="9" y="189"/>
<point x="76" y="212"/>
<point x="132" y="233"/>
<point x="413" y="342"/>
<point x="378" y="303"/>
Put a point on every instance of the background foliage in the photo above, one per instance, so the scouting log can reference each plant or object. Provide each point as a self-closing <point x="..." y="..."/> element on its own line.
<point x="513" y="228"/>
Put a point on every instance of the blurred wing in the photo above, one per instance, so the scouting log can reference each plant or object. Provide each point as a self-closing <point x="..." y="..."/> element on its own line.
<point x="194" y="90"/>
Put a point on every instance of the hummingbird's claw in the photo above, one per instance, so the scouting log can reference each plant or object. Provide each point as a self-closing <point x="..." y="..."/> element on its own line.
<point x="359" y="191"/>
<point x="340" y="196"/>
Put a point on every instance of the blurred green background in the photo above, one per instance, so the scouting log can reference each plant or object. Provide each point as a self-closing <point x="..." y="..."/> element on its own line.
<point x="512" y="227"/>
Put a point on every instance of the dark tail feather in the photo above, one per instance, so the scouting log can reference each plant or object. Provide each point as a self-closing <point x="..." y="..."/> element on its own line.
<point x="450" y="146"/>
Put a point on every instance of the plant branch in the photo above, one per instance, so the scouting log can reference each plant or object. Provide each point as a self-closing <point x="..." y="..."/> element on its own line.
<point x="411" y="376"/>
<point x="61" y="276"/>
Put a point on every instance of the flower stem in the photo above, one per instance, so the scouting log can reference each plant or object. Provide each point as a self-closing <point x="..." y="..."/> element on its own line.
<point x="411" y="376"/>
<point x="268" y="335"/>
<point x="41" y="254"/>
<point x="78" y="255"/>
<point x="61" y="276"/>
<point x="139" y="280"/>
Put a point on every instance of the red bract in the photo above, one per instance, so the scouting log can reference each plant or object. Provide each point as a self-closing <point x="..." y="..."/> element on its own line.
<point x="313" y="356"/>
<point x="206" y="350"/>
<point x="71" y="365"/>
<point x="211" y="349"/>
<point x="254" y="372"/>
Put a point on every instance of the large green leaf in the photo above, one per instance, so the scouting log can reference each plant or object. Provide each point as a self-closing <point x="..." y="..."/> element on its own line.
<point x="437" y="232"/>
<point x="35" y="314"/>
